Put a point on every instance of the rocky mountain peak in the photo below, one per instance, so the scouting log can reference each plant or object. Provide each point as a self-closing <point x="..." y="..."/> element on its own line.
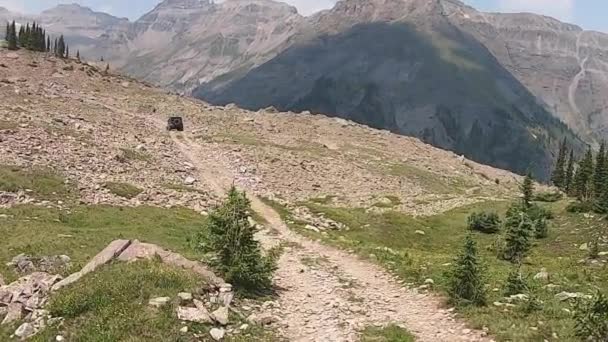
<point x="258" y="6"/>
<point x="183" y="4"/>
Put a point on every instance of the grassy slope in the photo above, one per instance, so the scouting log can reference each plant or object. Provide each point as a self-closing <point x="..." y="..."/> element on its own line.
<point x="391" y="240"/>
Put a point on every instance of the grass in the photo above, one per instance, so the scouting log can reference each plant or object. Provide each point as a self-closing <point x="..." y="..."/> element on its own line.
<point x="429" y="181"/>
<point x="110" y="304"/>
<point x="124" y="190"/>
<point x="84" y="231"/>
<point x="131" y="154"/>
<point x="184" y="188"/>
<point x="391" y="333"/>
<point x="390" y="239"/>
<point x="41" y="183"/>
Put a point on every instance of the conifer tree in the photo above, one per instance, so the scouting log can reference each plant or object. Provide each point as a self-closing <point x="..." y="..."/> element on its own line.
<point x="230" y="236"/>
<point x="8" y="32"/>
<point x="48" y="44"/>
<point x="599" y="175"/>
<point x="466" y="280"/>
<point x="78" y="55"/>
<point x="67" y="51"/>
<point x="527" y="191"/>
<point x="583" y="180"/>
<point x="559" y="172"/>
<point x="569" y="176"/>
<point x="518" y="233"/>
<point x="12" y="39"/>
<point x="515" y="283"/>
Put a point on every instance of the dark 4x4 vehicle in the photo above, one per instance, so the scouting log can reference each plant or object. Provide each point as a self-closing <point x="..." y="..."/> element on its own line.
<point x="175" y="123"/>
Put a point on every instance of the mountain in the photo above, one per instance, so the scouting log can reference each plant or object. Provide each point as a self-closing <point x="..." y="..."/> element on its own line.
<point x="438" y="70"/>
<point x="408" y="69"/>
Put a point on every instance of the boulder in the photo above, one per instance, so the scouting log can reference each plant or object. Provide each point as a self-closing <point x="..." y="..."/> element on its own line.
<point x="14" y="313"/>
<point x="193" y="315"/>
<point x="543" y="275"/>
<point x="221" y="315"/>
<point x="185" y="297"/>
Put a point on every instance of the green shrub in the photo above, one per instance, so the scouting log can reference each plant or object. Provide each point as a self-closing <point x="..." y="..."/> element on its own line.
<point x="594" y="249"/>
<point x="123" y="189"/>
<point x="536" y="212"/>
<point x="517" y="237"/>
<point x="548" y="197"/>
<point x="515" y="283"/>
<point x="580" y="207"/>
<point x="591" y="319"/>
<point x="466" y="281"/>
<point x="541" y="228"/>
<point x="488" y="223"/>
<point x="230" y="237"/>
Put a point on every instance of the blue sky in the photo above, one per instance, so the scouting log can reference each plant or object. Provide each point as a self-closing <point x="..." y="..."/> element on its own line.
<point x="590" y="14"/>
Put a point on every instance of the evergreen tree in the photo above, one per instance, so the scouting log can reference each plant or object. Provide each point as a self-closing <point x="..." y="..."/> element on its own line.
<point x="527" y="191"/>
<point x="230" y="236"/>
<point x="515" y="283"/>
<point x="21" y="37"/>
<point x="67" y="51"/>
<point x="599" y="175"/>
<point x="583" y="183"/>
<point x="8" y="32"/>
<point x="61" y="47"/>
<point x="12" y="39"/>
<point x="569" y="176"/>
<point x="48" y="44"/>
<point x="466" y="281"/>
<point x="518" y="233"/>
<point x="78" y="55"/>
<point x="559" y="172"/>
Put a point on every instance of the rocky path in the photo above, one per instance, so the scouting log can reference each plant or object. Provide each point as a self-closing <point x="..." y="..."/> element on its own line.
<point x="327" y="294"/>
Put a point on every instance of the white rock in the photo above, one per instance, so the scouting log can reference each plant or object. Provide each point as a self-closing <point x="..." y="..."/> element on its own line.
<point x="313" y="228"/>
<point x="584" y="247"/>
<point x="25" y="330"/>
<point x="429" y="281"/>
<point x="185" y="296"/>
<point x="420" y="232"/>
<point x="221" y="315"/>
<point x="59" y="338"/>
<point x="184" y="329"/>
<point x="193" y="315"/>
<point x="159" y="301"/>
<point x="543" y="275"/>
<point x="217" y="333"/>
<point x="244" y="326"/>
<point x="189" y="180"/>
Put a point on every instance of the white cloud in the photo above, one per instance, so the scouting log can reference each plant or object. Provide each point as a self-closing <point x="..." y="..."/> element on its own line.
<point x="560" y="9"/>
<point x="13" y="5"/>
<point x="307" y="7"/>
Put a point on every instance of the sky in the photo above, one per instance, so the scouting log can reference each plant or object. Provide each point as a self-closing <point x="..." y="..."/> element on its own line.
<point x="590" y="14"/>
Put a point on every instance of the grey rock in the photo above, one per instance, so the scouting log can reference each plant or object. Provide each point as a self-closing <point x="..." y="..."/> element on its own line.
<point x="25" y="330"/>
<point x="14" y="313"/>
<point x="193" y="315"/>
<point x="221" y="315"/>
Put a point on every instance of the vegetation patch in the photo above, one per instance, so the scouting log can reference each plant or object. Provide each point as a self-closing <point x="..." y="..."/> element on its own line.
<point x="430" y="181"/>
<point x="184" y="188"/>
<point x="391" y="333"/>
<point x="395" y="240"/>
<point x="135" y="155"/>
<point x="124" y="190"/>
<point x="41" y="183"/>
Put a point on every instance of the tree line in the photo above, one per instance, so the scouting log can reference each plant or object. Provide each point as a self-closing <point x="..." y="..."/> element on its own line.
<point x="33" y="37"/>
<point x="585" y="179"/>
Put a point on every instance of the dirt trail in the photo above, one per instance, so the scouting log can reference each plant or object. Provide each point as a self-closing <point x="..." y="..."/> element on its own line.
<point x="328" y="294"/>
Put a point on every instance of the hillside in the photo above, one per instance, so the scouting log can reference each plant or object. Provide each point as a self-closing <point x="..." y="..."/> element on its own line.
<point x="84" y="149"/>
<point x="502" y="77"/>
<point x="368" y="222"/>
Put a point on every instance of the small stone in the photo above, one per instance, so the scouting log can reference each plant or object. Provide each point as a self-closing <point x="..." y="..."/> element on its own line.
<point x="420" y="232"/>
<point x="221" y="315"/>
<point x="193" y="315"/>
<point x="584" y="247"/>
<point x="429" y="281"/>
<point x="543" y="275"/>
<point x="217" y="333"/>
<point x="184" y="329"/>
<point x="59" y="338"/>
<point x="184" y="296"/>
<point x="159" y="301"/>
<point x="244" y="326"/>
<point x="25" y="330"/>
<point x="189" y="180"/>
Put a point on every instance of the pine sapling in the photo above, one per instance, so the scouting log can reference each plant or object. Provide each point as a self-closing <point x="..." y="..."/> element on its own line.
<point x="466" y="278"/>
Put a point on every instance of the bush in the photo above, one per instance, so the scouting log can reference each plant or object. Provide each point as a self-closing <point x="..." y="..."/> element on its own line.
<point x="580" y="207"/>
<point x="548" y="197"/>
<point x="466" y="282"/>
<point x="515" y="283"/>
<point x="229" y="235"/>
<point x="124" y="190"/>
<point x="518" y="232"/>
<point x="591" y="320"/>
<point x="488" y="223"/>
<point x="541" y="228"/>
<point x="536" y="212"/>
